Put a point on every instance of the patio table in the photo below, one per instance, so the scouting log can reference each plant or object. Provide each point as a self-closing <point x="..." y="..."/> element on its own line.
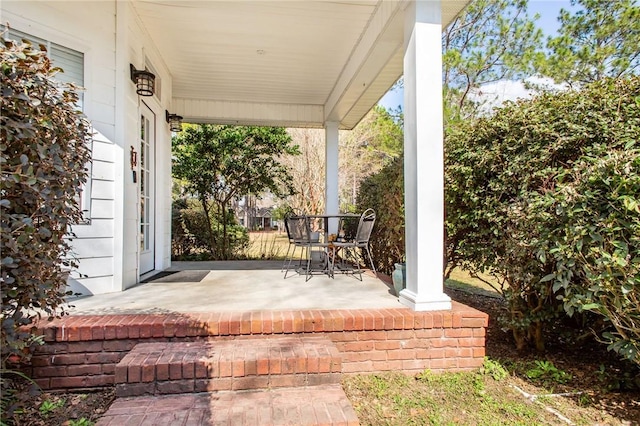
<point x="327" y="264"/>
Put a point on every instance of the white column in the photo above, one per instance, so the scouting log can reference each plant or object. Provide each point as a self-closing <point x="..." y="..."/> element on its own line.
<point x="122" y="171"/>
<point x="423" y="158"/>
<point x="331" y="203"/>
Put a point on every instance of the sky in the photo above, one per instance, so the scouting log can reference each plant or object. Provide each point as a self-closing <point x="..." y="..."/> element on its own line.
<point x="548" y="22"/>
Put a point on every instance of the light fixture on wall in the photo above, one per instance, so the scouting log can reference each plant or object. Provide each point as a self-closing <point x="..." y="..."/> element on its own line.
<point x="175" y="121"/>
<point x="145" y="81"/>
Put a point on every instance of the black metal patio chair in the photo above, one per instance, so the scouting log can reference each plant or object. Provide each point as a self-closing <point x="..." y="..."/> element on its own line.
<point x="300" y="233"/>
<point x="359" y="241"/>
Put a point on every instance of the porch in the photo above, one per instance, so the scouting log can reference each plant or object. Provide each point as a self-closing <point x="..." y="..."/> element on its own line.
<point x="215" y="302"/>
<point x="315" y="64"/>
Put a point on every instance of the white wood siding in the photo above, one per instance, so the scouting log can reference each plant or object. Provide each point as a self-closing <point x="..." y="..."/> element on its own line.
<point x="90" y="31"/>
<point x="100" y="228"/>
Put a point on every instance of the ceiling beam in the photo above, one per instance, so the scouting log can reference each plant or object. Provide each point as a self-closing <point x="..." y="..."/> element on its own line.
<point x="379" y="42"/>
<point x="248" y="113"/>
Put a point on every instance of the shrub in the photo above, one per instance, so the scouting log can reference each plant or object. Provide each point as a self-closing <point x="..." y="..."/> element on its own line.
<point x="183" y="243"/>
<point x="384" y="192"/>
<point x="44" y="151"/>
<point x="190" y="239"/>
<point x="596" y="248"/>
<point x="543" y="195"/>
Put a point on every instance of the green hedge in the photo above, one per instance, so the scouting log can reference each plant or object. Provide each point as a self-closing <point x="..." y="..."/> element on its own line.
<point x="384" y="192"/>
<point x="544" y="195"/>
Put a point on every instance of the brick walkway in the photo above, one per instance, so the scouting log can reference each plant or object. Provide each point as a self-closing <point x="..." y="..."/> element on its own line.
<point x="312" y="405"/>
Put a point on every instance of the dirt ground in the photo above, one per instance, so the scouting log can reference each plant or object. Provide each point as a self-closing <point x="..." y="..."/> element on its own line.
<point x="594" y="371"/>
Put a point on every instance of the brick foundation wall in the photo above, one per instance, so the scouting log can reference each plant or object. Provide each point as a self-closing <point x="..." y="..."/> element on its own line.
<point x="82" y="351"/>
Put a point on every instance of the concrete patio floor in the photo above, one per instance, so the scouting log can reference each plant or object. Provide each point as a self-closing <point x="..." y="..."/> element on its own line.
<point x="225" y="286"/>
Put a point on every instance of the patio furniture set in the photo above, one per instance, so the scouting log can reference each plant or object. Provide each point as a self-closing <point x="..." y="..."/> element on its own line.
<point x="324" y="253"/>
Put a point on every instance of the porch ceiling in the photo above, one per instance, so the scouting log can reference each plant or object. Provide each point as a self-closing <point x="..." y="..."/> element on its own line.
<point x="293" y="63"/>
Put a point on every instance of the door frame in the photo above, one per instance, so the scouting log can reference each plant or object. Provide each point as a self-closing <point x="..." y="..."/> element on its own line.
<point x="148" y="265"/>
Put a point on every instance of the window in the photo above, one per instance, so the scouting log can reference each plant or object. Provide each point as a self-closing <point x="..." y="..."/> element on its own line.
<point x="72" y="63"/>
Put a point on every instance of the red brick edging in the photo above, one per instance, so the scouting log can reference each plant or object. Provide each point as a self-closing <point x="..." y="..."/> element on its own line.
<point x="82" y="351"/>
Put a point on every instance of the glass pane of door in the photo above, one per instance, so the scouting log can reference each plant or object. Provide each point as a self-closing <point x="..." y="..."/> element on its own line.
<point x="147" y="187"/>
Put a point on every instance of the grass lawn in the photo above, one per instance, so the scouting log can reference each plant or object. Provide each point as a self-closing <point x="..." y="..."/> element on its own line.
<point x="267" y="245"/>
<point x="462" y="279"/>
<point x="489" y="396"/>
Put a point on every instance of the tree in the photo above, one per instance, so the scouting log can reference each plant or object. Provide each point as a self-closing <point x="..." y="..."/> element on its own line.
<point x="44" y="152"/>
<point x="491" y="40"/>
<point x="220" y="162"/>
<point x="373" y="143"/>
<point x="380" y="134"/>
<point x="599" y="40"/>
<point x="307" y="170"/>
<point x="376" y="141"/>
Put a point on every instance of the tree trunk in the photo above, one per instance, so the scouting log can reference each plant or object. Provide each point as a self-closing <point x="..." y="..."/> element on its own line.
<point x="520" y="338"/>
<point x="212" y="236"/>
<point x="538" y="338"/>
<point x="225" y="240"/>
<point x="220" y="246"/>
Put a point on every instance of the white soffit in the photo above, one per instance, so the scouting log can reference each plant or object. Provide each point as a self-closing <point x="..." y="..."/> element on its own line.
<point x="282" y="61"/>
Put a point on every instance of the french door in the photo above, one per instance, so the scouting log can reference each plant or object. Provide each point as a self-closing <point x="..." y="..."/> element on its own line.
<point x="146" y="184"/>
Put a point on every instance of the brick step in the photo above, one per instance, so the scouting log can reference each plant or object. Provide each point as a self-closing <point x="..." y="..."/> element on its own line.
<point x="260" y="363"/>
<point x="311" y="405"/>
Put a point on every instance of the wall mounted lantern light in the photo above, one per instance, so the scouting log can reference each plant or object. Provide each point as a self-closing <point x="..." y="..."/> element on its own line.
<point x="175" y="121"/>
<point x="145" y="81"/>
